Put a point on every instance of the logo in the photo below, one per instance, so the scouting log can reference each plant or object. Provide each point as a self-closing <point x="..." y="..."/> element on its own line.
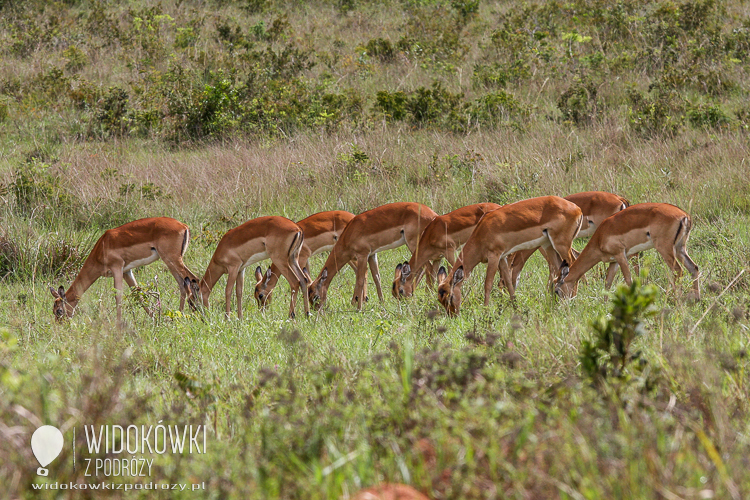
<point x="46" y="443"/>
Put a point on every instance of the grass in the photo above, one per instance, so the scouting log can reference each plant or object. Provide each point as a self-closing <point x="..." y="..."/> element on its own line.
<point x="493" y="404"/>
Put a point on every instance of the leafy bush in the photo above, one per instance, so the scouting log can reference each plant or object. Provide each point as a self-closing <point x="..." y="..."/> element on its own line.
<point x="436" y="105"/>
<point x="34" y="186"/>
<point x="496" y="108"/>
<point x="112" y="112"/>
<point x="657" y="113"/>
<point x="382" y="49"/>
<point x="499" y="75"/>
<point x="392" y="105"/>
<point x="707" y="116"/>
<point x="608" y="355"/>
<point x="579" y="104"/>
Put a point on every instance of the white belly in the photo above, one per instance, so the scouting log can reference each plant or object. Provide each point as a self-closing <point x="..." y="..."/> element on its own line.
<point x="391" y="246"/>
<point x="585" y="232"/>
<point x="254" y="259"/>
<point x="528" y="245"/>
<point x="325" y="248"/>
<point x="641" y="248"/>
<point x="142" y="262"/>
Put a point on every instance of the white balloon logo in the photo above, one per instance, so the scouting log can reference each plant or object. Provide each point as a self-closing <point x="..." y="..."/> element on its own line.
<point x="46" y="443"/>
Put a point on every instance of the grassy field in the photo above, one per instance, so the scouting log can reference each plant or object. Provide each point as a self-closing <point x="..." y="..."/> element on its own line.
<point x="217" y="112"/>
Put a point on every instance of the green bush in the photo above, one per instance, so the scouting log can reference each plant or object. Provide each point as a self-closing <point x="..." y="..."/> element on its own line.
<point x="34" y="186"/>
<point x="659" y="113"/>
<point x="392" y="105"/>
<point x="608" y="355"/>
<point x="496" y="75"/>
<point x="382" y="49"/>
<point x="707" y="116"/>
<point x="112" y="112"/>
<point x="579" y="103"/>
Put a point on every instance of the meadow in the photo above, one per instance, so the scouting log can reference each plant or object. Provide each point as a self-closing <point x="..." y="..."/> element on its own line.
<point x="215" y="112"/>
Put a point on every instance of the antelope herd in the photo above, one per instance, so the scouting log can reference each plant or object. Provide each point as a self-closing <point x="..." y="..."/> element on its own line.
<point x="503" y="237"/>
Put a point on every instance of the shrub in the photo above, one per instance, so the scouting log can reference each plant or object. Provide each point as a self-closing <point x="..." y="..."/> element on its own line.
<point x="391" y="105"/>
<point x="382" y="49"/>
<point x="34" y="186"/>
<point x="608" y="354"/>
<point x="495" y="108"/>
<point x="112" y="112"/>
<point x="437" y="106"/>
<point x="657" y="113"/>
<point x="499" y="75"/>
<point x="707" y="116"/>
<point x="76" y="58"/>
<point x="579" y="104"/>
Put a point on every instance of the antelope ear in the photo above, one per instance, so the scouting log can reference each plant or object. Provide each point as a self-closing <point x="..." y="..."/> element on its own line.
<point x="324" y="275"/>
<point x="306" y="272"/>
<point x="398" y="269"/>
<point x="61" y="292"/>
<point x="268" y="274"/>
<point x="564" y="270"/>
<point x="405" y="271"/>
<point x="442" y="274"/>
<point x="458" y="276"/>
<point x="259" y="273"/>
<point x="186" y="283"/>
<point x="54" y="293"/>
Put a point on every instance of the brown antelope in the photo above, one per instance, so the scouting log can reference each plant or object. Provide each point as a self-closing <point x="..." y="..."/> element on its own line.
<point x="122" y="249"/>
<point x="442" y="237"/>
<point x="548" y="221"/>
<point x="382" y="228"/>
<point x="272" y="237"/>
<point x="321" y="231"/>
<point x="595" y="206"/>
<point x="389" y="491"/>
<point x="636" y="229"/>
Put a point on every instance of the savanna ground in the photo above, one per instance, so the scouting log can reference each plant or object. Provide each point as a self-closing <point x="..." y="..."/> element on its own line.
<point x="217" y="112"/>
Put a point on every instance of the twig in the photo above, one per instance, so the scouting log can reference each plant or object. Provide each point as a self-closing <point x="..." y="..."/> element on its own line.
<point x="715" y="301"/>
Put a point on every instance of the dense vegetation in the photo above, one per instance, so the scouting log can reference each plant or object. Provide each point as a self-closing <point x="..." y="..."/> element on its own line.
<point x="217" y="111"/>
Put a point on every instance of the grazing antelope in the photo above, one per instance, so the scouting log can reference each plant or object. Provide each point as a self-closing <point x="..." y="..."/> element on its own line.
<point x="389" y="491"/>
<point x="272" y="237"/>
<point x="382" y="228"/>
<point x="442" y="237"/>
<point x="321" y="231"/>
<point x="122" y="249"/>
<point x="636" y="229"/>
<point x="595" y="206"/>
<point x="546" y="222"/>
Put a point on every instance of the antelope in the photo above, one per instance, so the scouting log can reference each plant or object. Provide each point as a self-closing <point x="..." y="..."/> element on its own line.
<point x="596" y="206"/>
<point x="546" y="222"/>
<point x="636" y="229"/>
<point x="382" y="228"/>
<point x="442" y="237"/>
<point x="272" y="237"/>
<point x="321" y="232"/>
<point x="122" y="249"/>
